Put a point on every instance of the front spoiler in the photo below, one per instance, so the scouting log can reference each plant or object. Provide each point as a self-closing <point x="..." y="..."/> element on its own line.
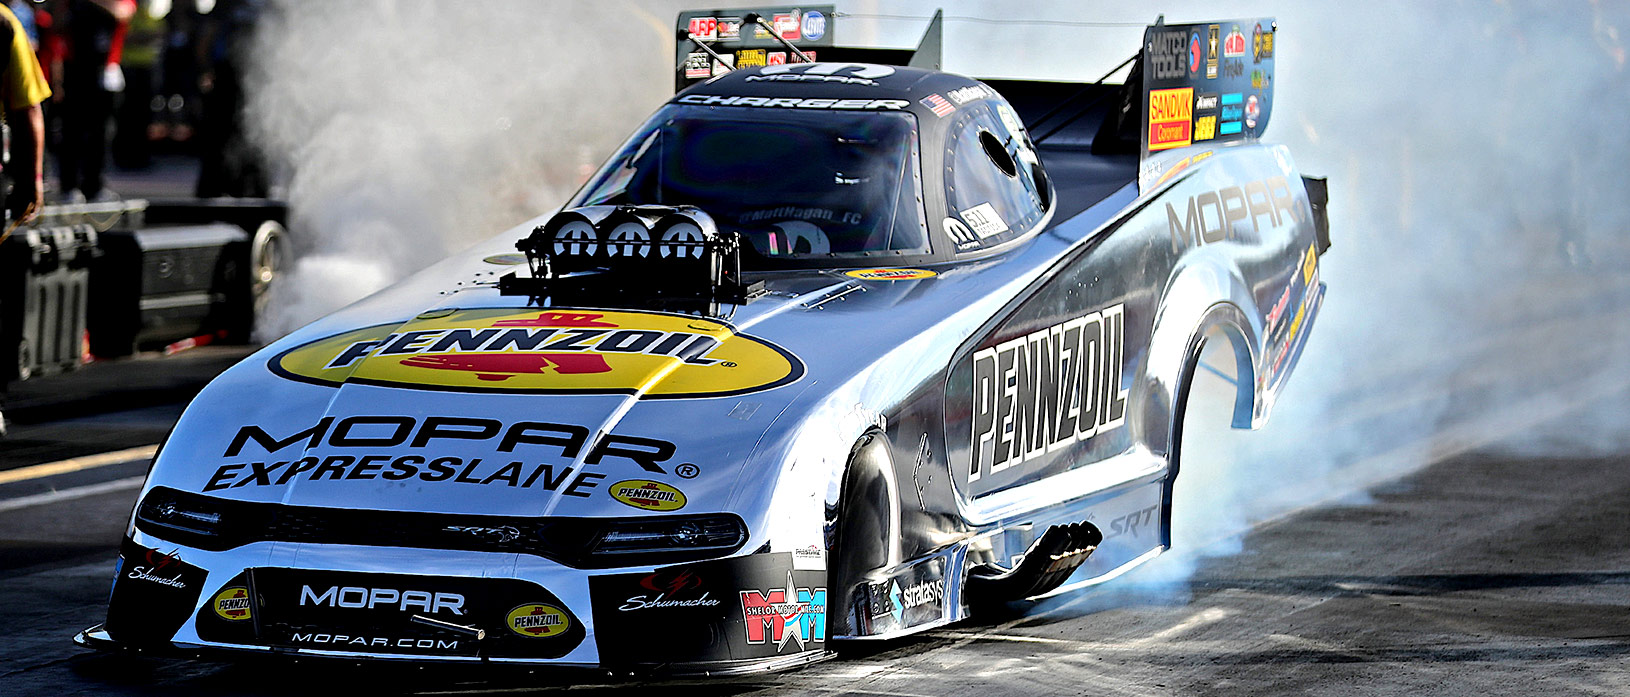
<point x="97" y="638"/>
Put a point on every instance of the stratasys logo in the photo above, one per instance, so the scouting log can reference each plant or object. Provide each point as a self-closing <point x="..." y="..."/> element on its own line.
<point x="559" y="351"/>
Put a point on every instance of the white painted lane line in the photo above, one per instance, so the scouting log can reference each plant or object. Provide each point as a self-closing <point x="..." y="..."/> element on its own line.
<point x="77" y="492"/>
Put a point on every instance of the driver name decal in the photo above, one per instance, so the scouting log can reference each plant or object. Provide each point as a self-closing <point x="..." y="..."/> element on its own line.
<point x="556" y="351"/>
<point x="1042" y="391"/>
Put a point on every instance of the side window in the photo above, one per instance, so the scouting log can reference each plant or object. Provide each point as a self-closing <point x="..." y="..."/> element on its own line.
<point x="993" y="178"/>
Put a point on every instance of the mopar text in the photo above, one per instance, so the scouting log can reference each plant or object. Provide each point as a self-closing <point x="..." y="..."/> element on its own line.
<point x="388" y="598"/>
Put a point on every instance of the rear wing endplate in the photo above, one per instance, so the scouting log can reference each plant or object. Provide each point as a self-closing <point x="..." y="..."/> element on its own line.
<point x="1206" y="83"/>
<point x="714" y="42"/>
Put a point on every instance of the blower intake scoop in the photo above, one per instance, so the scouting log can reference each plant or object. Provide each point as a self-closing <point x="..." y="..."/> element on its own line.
<point x="656" y="257"/>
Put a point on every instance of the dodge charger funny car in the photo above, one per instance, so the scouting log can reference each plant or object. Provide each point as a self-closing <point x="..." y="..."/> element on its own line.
<point x="836" y="347"/>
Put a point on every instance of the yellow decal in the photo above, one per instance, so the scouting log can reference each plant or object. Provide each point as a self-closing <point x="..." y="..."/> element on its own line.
<point x="1171" y="118"/>
<point x="553" y="350"/>
<point x="890" y="274"/>
<point x="537" y="620"/>
<point x="1309" y="265"/>
<point x="1205" y="128"/>
<point x="647" y="495"/>
<point x="233" y="603"/>
<point x="751" y="58"/>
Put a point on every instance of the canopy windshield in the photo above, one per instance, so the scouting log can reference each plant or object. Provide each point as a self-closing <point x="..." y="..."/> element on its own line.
<point x="798" y="185"/>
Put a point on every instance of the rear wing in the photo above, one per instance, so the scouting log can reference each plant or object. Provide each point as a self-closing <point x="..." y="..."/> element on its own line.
<point x="1206" y="83"/>
<point x="714" y="42"/>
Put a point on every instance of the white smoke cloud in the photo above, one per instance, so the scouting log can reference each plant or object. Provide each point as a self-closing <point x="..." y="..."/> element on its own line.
<point x="415" y="128"/>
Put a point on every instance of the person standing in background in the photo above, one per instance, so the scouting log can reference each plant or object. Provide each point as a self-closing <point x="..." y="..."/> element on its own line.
<point x="22" y="88"/>
<point x="91" y="77"/>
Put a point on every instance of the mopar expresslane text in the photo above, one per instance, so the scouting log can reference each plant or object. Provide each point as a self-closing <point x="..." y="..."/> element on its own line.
<point x="381" y="432"/>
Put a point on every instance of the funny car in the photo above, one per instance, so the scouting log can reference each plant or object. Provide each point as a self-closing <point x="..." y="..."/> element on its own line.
<point x="830" y="350"/>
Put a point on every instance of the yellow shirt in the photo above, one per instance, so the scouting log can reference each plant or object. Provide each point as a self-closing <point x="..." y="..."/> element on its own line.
<point x="23" y="85"/>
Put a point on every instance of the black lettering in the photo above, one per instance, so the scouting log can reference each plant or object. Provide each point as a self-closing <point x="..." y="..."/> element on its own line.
<point x="454" y="427"/>
<point x="1069" y="387"/>
<point x="405" y="341"/>
<point x="1005" y="384"/>
<point x="354" y="352"/>
<point x="585" y="480"/>
<point x="1092" y="333"/>
<point x="301" y="465"/>
<point x="223" y="477"/>
<point x="1047" y="379"/>
<point x="670" y="344"/>
<point x="260" y="474"/>
<point x="342" y="438"/>
<point x="521" y="339"/>
<point x="464" y="477"/>
<point x="334" y="467"/>
<point x="312" y="436"/>
<point x="629" y="340"/>
<point x="984" y="410"/>
<point x="462" y="340"/>
<point x="510" y="473"/>
<point x="569" y="440"/>
<point x="550" y="482"/>
<point x="574" y="341"/>
<point x="612" y="444"/>
<point x="1024" y="421"/>
<point x="366" y="467"/>
<point x="403" y="467"/>
<point x="440" y="468"/>
<point x="1116" y="402"/>
<point x="695" y="350"/>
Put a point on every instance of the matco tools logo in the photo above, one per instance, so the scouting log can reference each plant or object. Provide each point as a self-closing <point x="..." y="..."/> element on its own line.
<point x="549" y="351"/>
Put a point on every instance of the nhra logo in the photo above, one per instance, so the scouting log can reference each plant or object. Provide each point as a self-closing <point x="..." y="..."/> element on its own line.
<point x="552" y="351"/>
<point x="647" y="495"/>
<point x="537" y="621"/>
<point x="785" y="615"/>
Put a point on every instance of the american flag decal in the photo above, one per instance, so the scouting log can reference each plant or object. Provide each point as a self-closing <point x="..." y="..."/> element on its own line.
<point x="938" y="105"/>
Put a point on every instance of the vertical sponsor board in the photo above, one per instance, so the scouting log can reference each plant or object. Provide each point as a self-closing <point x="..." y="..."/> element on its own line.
<point x="1206" y="60"/>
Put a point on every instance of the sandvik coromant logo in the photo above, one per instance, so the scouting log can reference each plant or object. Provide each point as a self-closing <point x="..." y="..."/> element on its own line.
<point x="547" y="351"/>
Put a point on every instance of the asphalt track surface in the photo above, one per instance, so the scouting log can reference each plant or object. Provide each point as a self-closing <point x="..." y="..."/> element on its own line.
<point x="1497" y="566"/>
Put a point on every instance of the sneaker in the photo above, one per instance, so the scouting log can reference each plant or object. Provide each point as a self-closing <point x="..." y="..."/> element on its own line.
<point x="73" y="196"/>
<point x="105" y="196"/>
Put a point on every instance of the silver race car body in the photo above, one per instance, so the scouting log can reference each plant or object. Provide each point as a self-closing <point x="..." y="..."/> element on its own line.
<point x="829" y="351"/>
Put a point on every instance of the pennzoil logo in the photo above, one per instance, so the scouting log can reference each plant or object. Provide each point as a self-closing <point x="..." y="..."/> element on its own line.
<point x="890" y="274"/>
<point x="511" y="350"/>
<point x="537" y="621"/>
<point x="233" y="603"/>
<point x="648" y="495"/>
